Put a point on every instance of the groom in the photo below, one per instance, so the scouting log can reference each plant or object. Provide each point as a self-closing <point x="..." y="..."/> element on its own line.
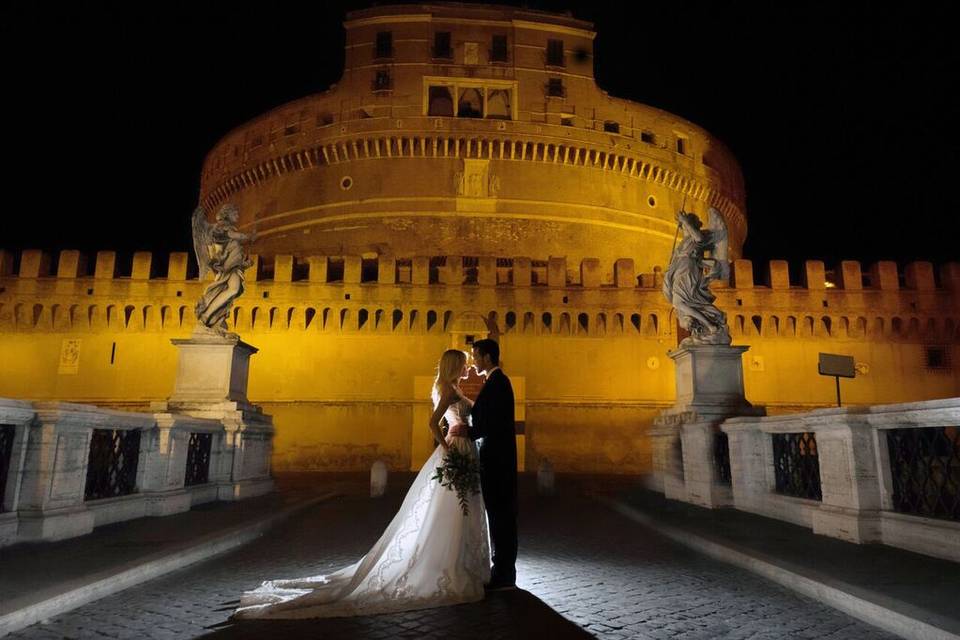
<point x="493" y="421"/>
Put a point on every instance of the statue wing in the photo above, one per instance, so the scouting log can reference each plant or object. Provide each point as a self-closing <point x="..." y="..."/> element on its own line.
<point x="202" y="239"/>
<point x="721" y="245"/>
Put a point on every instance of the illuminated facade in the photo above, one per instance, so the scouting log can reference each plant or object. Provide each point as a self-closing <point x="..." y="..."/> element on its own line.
<point x="467" y="175"/>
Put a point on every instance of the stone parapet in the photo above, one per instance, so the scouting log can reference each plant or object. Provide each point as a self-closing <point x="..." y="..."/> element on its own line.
<point x="862" y="486"/>
<point x="180" y="460"/>
<point x="335" y="292"/>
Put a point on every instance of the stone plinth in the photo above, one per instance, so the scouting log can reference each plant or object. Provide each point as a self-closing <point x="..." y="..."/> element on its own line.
<point x="212" y="368"/>
<point x="709" y="382"/>
<point x="212" y="384"/>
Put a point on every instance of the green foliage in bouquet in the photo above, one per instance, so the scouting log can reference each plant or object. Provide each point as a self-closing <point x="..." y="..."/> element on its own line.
<point x="461" y="472"/>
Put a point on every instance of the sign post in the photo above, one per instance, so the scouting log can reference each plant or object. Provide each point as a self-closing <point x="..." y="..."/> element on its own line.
<point x="838" y="366"/>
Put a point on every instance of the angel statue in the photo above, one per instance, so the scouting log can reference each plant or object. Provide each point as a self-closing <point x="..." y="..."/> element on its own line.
<point x="687" y="281"/>
<point x="219" y="247"/>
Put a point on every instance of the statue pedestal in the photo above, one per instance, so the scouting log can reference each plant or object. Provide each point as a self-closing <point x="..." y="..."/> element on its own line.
<point x="689" y="456"/>
<point x="710" y="379"/>
<point x="212" y="375"/>
<point x="212" y="368"/>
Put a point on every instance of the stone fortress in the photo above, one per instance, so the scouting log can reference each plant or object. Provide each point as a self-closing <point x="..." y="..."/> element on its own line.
<point x="467" y="177"/>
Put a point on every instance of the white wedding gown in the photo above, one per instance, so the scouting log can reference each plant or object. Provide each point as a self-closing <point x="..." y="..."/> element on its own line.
<point x="431" y="555"/>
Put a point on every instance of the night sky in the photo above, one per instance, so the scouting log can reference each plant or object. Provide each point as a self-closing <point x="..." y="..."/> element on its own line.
<point x="843" y="115"/>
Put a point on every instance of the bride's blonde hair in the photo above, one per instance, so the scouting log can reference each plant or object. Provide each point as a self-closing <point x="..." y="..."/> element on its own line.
<point x="448" y="370"/>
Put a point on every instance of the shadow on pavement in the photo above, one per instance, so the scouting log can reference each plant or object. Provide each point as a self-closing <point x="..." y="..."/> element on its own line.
<point x="504" y="614"/>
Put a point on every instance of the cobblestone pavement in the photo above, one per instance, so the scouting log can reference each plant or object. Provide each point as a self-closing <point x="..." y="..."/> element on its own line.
<point x="583" y="571"/>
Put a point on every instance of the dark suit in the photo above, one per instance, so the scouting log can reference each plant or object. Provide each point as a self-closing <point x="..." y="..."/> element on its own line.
<point x="492" y="419"/>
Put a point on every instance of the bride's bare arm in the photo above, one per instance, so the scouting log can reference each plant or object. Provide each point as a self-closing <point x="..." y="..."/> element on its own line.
<point x="446" y="399"/>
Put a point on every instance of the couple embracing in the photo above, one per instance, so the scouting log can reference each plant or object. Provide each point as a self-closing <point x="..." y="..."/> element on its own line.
<point x="435" y="551"/>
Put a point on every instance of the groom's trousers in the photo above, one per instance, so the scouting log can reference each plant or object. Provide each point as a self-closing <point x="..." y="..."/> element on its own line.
<point x="500" y="499"/>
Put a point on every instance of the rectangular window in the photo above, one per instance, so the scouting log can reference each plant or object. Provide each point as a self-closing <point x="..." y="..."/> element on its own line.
<point x="441" y="102"/>
<point x="682" y="146"/>
<point x="441" y="45"/>
<point x="470" y="103"/>
<point x="647" y="137"/>
<point x="566" y="119"/>
<point x="381" y="81"/>
<point x="555" y="53"/>
<point x="498" y="49"/>
<point x="555" y="88"/>
<point x="498" y="104"/>
<point x="469" y="98"/>
<point x="611" y="127"/>
<point x="384" y="44"/>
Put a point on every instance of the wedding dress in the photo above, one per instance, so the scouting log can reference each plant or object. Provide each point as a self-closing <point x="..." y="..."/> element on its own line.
<point x="430" y="555"/>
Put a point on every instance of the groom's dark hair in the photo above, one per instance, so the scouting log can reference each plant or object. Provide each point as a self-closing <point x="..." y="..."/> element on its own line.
<point x="490" y="348"/>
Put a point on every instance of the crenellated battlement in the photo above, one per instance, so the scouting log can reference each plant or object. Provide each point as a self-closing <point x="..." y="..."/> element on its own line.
<point x="74" y="292"/>
<point x="777" y="275"/>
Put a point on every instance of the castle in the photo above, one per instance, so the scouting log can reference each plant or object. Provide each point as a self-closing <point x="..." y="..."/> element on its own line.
<point x="467" y="177"/>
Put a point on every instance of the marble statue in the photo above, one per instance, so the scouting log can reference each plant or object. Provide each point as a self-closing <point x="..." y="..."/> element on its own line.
<point x="687" y="281"/>
<point x="219" y="248"/>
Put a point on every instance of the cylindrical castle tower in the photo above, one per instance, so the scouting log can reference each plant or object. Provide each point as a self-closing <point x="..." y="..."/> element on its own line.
<point x="471" y="130"/>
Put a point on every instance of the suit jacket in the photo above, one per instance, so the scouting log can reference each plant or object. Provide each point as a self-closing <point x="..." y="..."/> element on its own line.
<point x="493" y="421"/>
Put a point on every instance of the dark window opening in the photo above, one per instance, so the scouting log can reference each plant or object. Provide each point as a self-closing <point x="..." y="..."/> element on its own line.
<point x="382" y="81"/>
<point x="441" y="45"/>
<point x="384" y="44"/>
<point x="555" y="87"/>
<point x="937" y="358"/>
<point x="647" y="137"/>
<point x="498" y="49"/>
<point x="441" y="102"/>
<point x="470" y="103"/>
<point x="555" y="53"/>
<point x="368" y="270"/>
<point x="566" y="121"/>
<point x="611" y="127"/>
<point x="682" y="146"/>
<point x="335" y="270"/>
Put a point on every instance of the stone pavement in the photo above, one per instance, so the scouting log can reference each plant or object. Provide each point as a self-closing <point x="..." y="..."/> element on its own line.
<point x="584" y="570"/>
<point x="894" y="588"/>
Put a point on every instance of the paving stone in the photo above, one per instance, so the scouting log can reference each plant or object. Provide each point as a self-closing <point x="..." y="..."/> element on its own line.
<point x="596" y="574"/>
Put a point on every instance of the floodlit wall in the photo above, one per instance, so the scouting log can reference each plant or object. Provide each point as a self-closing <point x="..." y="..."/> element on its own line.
<point x="346" y="343"/>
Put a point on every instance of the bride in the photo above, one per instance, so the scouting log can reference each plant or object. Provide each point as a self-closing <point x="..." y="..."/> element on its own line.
<point x="431" y="554"/>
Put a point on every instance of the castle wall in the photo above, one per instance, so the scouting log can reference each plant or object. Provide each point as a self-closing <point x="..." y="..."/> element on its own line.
<point x="343" y="342"/>
<point x="368" y="167"/>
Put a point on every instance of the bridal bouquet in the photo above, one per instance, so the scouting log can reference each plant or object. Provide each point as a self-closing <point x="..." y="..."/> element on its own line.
<point x="461" y="472"/>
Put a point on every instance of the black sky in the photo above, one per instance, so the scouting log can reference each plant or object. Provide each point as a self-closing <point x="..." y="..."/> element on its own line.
<point x="843" y="115"/>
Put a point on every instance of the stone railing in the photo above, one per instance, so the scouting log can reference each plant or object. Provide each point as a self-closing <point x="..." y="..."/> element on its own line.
<point x="886" y="473"/>
<point x="67" y="468"/>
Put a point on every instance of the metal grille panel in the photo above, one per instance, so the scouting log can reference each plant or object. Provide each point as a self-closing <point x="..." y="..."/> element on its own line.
<point x="112" y="465"/>
<point x="721" y="458"/>
<point x="925" y="470"/>
<point x="797" y="465"/>
<point x="198" y="459"/>
<point x="7" y="433"/>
